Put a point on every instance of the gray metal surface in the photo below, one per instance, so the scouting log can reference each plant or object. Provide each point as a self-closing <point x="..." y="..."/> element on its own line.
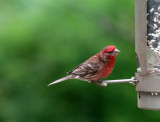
<point x="147" y="83"/>
<point x="141" y="34"/>
<point x="149" y="100"/>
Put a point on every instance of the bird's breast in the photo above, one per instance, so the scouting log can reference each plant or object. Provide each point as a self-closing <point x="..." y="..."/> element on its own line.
<point x="106" y="71"/>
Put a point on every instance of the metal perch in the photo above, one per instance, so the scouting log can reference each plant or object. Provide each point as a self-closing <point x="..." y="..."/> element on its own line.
<point x="132" y="80"/>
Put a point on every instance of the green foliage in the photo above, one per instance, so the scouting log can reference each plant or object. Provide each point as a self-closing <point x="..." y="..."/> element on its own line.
<point x="40" y="40"/>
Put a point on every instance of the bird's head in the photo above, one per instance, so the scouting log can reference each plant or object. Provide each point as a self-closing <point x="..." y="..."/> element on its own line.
<point x="109" y="52"/>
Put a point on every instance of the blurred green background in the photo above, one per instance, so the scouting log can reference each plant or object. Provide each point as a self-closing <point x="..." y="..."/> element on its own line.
<point x="40" y="40"/>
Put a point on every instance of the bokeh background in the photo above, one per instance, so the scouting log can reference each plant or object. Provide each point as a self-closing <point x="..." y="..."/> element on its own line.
<point x="40" y="40"/>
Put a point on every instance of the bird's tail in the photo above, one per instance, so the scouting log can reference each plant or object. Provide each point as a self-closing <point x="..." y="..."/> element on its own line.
<point x="61" y="79"/>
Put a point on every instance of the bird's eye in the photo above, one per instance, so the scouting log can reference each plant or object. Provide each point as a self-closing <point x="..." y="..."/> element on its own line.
<point x="110" y="52"/>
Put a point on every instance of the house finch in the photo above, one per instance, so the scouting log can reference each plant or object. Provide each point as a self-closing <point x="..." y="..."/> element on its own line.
<point x="95" y="68"/>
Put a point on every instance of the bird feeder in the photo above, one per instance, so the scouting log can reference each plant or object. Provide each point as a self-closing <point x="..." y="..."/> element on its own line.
<point x="147" y="43"/>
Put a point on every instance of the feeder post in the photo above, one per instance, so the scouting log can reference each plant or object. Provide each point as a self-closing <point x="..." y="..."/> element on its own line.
<point x="141" y="34"/>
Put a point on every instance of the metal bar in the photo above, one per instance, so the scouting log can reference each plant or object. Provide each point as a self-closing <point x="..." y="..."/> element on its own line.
<point x="132" y="80"/>
<point x="118" y="81"/>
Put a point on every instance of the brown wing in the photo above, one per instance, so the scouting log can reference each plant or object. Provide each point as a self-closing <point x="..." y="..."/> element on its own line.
<point x="88" y="69"/>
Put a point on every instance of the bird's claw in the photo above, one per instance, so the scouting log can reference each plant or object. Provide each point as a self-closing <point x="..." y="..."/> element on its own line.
<point x="102" y="84"/>
<point x="99" y="83"/>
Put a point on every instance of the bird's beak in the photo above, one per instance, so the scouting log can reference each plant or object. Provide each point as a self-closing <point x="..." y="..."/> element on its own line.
<point x="116" y="51"/>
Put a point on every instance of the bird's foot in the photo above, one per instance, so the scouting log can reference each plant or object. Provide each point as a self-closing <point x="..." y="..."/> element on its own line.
<point x="99" y="83"/>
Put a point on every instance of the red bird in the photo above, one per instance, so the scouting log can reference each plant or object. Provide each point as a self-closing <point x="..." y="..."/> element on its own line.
<point x="95" y="68"/>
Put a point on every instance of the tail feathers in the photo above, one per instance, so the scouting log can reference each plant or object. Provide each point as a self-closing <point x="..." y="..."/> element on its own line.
<point x="61" y="79"/>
